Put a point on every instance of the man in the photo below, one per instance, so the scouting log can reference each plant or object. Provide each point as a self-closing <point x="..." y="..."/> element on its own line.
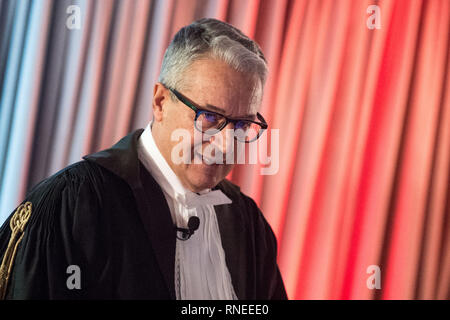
<point x="153" y="217"/>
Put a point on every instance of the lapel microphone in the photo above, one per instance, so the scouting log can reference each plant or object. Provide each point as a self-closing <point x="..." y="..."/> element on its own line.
<point x="193" y="224"/>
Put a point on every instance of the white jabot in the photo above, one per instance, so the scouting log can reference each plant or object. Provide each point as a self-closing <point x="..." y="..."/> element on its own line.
<point x="200" y="268"/>
<point x="193" y="200"/>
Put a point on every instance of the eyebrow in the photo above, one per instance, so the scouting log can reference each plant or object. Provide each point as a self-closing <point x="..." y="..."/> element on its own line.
<point x="210" y="107"/>
<point x="213" y="108"/>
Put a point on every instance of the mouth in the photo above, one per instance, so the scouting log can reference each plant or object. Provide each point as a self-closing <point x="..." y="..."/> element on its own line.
<point x="205" y="160"/>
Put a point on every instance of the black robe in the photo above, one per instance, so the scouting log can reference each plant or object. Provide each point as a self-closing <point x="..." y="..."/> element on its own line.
<point x="108" y="216"/>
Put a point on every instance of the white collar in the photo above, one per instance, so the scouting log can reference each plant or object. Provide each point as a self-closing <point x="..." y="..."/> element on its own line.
<point x="163" y="173"/>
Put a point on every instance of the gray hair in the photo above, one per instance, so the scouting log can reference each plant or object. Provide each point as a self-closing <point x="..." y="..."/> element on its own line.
<point x="216" y="39"/>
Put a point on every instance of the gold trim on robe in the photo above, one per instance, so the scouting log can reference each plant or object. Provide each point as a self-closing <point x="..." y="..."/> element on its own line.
<point x="17" y="225"/>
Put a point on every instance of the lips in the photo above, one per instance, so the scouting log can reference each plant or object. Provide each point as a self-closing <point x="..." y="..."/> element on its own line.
<point x="206" y="160"/>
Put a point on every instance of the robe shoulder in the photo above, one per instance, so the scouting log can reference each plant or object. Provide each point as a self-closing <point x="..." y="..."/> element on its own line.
<point x="65" y="213"/>
<point x="61" y="193"/>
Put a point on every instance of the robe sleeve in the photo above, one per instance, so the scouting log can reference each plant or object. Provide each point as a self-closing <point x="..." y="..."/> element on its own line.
<point x="51" y="257"/>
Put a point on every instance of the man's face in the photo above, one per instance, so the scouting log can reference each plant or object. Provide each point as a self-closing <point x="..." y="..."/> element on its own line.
<point x="212" y="85"/>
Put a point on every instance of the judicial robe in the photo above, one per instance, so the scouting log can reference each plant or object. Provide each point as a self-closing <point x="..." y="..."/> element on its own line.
<point x="107" y="216"/>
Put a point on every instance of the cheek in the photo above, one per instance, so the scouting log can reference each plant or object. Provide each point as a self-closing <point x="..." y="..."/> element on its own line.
<point x="181" y="135"/>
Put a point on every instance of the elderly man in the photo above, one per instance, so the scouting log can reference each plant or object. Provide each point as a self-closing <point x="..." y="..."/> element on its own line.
<point x="134" y="221"/>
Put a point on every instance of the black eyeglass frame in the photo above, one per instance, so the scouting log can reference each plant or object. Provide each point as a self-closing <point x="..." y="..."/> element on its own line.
<point x="198" y="111"/>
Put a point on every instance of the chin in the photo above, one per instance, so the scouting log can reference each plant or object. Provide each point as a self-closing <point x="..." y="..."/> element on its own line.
<point x="202" y="183"/>
<point x="203" y="179"/>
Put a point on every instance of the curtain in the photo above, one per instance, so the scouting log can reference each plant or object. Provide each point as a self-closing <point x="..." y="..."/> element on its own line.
<point x="362" y="115"/>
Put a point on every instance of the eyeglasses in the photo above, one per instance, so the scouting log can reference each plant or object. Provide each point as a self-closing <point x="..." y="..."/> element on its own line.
<point x="210" y="122"/>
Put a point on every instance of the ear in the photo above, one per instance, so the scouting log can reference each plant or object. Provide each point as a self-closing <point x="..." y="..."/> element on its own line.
<point x="159" y="98"/>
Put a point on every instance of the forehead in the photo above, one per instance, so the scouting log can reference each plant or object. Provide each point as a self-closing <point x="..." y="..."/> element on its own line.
<point x="211" y="81"/>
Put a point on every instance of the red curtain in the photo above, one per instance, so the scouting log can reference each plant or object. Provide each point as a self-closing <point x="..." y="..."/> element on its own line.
<point x="364" y="120"/>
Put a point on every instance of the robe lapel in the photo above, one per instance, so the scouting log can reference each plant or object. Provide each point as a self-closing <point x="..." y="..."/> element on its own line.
<point x="122" y="160"/>
<point x="155" y="214"/>
<point x="232" y="231"/>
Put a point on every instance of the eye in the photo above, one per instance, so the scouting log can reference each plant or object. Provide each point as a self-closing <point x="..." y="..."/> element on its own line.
<point x="211" y="116"/>
<point x="243" y="125"/>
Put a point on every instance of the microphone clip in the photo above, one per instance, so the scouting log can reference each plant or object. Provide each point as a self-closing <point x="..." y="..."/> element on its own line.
<point x="193" y="225"/>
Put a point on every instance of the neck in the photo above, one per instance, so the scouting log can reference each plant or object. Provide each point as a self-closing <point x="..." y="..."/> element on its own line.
<point x="159" y="138"/>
